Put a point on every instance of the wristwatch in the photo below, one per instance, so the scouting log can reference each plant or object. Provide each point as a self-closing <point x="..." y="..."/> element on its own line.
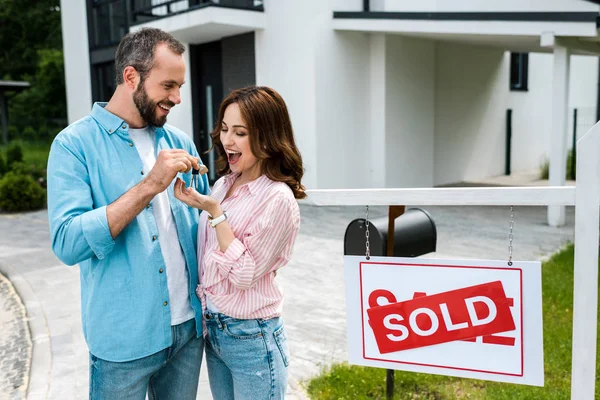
<point x="216" y="221"/>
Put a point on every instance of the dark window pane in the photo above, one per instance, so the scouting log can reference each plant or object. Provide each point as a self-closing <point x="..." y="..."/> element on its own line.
<point x="109" y="23"/>
<point x="104" y="81"/>
<point x="519" y="71"/>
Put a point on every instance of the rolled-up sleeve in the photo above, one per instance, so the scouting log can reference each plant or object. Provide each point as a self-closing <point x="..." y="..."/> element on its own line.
<point x="78" y="231"/>
<point x="267" y="247"/>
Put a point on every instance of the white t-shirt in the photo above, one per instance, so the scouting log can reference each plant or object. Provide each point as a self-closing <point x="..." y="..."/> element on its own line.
<point x="177" y="278"/>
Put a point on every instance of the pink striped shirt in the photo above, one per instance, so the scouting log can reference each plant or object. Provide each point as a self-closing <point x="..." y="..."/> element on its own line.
<point x="265" y="219"/>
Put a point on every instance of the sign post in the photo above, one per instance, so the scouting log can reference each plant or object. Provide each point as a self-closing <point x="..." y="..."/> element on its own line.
<point x="587" y="220"/>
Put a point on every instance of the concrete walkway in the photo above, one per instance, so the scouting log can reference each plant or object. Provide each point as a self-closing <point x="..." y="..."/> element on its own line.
<point x="15" y="343"/>
<point x="313" y="282"/>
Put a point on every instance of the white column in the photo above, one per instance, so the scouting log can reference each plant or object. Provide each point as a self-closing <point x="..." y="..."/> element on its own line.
<point x="181" y="116"/>
<point x="558" y="139"/>
<point x="585" y="291"/>
<point x="376" y="94"/>
<point x="73" y="15"/>
<point x="285" y="60"/>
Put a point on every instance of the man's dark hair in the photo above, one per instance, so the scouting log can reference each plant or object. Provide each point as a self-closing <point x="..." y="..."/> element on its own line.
<point x="137" y="49"/>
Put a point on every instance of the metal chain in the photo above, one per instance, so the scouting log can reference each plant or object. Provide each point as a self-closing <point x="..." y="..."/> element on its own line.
<point x="510" y="235"/>
<point x="367" y="244"/>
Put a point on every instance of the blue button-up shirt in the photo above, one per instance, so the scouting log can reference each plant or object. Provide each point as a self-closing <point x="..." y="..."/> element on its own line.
<point x="124" y="294"/>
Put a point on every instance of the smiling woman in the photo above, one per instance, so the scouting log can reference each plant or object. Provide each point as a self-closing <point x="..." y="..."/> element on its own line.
<point x="240" y="250"/>
<point x="260" y="121"/>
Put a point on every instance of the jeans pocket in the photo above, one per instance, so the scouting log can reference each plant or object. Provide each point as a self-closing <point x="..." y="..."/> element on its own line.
<point x="281" y="340"/>
<point x="242" y="328"/>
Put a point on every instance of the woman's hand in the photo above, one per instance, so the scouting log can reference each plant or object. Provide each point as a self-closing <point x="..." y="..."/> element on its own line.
<point x="194" y="199"/>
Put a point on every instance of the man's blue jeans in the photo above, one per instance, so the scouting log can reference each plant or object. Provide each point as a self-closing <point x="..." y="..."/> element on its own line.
<point x="247" y="359"/>
<point x="171" y="373"/>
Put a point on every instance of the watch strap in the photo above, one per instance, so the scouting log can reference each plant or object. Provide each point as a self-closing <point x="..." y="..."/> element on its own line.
<point x="216" y="221"/>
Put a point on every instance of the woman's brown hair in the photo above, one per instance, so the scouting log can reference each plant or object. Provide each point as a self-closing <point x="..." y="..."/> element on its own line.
<point x="271" y="137"/>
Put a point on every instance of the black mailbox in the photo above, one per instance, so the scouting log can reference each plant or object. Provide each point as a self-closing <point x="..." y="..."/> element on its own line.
<point x="414" y="235"/>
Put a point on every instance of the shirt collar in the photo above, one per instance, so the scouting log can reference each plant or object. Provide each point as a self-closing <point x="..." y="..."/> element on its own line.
<point x="252" y="185"/>
<point x="113" y="123"/>
<point x="108" y="120"/>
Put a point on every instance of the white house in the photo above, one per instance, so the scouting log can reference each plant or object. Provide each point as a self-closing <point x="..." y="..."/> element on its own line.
<point x="382" y="93"/>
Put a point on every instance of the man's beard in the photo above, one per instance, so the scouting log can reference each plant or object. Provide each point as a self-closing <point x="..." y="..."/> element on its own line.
<point x="147" y="107"/>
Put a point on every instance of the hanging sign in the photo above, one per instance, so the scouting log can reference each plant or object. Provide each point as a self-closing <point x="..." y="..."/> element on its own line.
<point x="467" y="318"/>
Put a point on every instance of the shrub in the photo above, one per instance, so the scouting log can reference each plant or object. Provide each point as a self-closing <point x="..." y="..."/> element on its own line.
<point x="13" y="133"/>
<point x="37" y="172"/>
<point x="545" y="167"/>
<point x="570" y="168"/>
<point x="23" y="168"/>
<point x="20" y="193"/>
<point x="29" y="134"/>
<point x="3" y="167"/>
<point x="14" y="153"/>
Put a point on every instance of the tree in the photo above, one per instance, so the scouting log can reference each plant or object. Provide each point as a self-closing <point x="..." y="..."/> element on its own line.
<point x="44" y="104"/>
<point x="27" y="26"/>
<point x="31" y="50"/>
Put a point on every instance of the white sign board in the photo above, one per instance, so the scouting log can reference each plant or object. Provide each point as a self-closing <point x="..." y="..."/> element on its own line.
<point x="468" y="318"/>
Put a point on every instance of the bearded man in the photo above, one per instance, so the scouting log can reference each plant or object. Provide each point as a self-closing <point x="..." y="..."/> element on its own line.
<point x="112" y="211"/>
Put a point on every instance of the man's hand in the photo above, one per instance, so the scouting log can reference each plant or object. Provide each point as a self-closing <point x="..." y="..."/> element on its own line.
<point x="168" y="164"/>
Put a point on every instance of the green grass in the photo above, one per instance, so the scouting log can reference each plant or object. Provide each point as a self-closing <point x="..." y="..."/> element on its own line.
<point x="343" y="381"/>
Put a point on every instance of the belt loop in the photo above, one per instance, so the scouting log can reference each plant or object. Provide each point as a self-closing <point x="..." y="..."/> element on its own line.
<point x="217" y="317"/>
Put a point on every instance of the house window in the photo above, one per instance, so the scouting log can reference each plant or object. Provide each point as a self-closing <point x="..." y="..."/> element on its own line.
<point x="104" y="82"/>
<point x="109" y="22"/>
<point x="519" y="70"/>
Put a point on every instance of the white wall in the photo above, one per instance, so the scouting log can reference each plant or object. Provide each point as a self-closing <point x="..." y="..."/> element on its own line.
<point x="583" y="92"/>
<point x="532" y="110"/>
<point x="410" y="112"/>
<point x="488" y="5"/>
<point x="377" y="110"/>
<point x="584" y="81"/>
<point x="77" y="58"/>
<point x="342" y="101"/>
<point x="348" y="5"/>
<point x="470" y="105"/>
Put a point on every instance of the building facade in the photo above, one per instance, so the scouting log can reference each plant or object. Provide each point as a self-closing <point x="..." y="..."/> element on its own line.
<point x="382" y="93"/>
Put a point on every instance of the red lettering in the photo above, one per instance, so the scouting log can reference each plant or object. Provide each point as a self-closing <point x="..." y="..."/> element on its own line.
<point x="460" y="314"/>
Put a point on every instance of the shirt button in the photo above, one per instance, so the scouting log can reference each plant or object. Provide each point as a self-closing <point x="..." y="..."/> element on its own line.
<point x="148" y="206"/>
<point x="130" y="144"/>
<point x="165" y="303"/>
<point x="160" y="270"/>
<point x="110" y="130"/>
<point x="124" y="126"/>
<point x="154" y="238"/>
<point x="142" y="172"/>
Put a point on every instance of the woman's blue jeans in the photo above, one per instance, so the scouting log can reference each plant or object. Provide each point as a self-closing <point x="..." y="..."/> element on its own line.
<point x="247" y="359"/>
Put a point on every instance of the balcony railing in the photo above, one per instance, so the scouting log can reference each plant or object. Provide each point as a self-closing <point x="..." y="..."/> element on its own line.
<point x="144" y="10"/>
